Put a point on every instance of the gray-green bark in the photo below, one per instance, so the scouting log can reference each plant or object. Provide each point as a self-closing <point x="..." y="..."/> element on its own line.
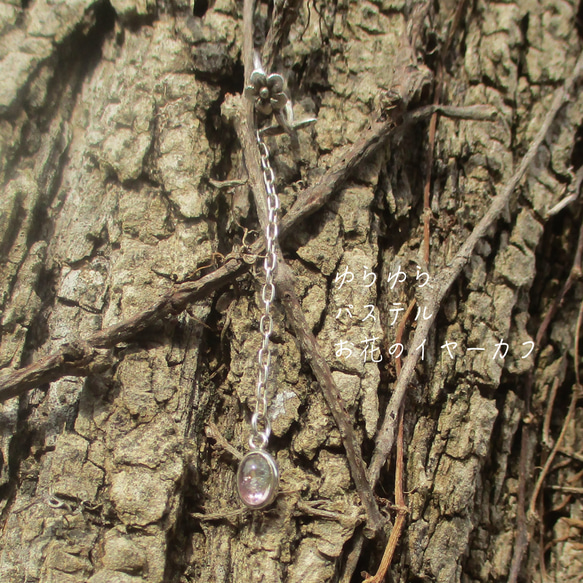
<point x="111" y="138"/>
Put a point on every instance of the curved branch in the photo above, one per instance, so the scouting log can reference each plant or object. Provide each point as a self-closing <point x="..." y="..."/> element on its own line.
<point x="54" y="366"/>
<point x="386" y="436"/>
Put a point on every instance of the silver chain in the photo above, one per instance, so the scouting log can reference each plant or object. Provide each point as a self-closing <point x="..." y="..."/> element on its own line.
<point x="260" y="421"/>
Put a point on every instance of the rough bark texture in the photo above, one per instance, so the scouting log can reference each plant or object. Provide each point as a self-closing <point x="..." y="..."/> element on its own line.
<point x="111" y="143"/>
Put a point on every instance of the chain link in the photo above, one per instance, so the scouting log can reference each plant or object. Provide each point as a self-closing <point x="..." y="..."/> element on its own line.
<point x="260" y="422"/>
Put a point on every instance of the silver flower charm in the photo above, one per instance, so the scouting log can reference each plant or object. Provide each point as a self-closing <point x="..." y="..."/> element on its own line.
<point x="266" y="92"/>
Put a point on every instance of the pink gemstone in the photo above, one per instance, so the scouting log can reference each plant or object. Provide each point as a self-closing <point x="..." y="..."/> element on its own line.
<point x="257" y="479"/>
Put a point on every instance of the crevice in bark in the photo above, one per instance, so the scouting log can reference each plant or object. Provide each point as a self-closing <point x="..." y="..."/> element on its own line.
<point x="199" y="8"/>
<point x="577" y="153"/>
<point x="311" y="76"/>
<point x="205" y="405"/>
<point x="522" y="69"/>
<point x="19" y="450"/>
<point x="579" y="20"/>
<point x="15" y="224"/>
<point x="554" y="257"/>
<point x="179" y="538"/>
<point x="73" y="61"/>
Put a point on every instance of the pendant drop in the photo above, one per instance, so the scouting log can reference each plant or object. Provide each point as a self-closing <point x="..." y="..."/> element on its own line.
<point x="257" y="479"/>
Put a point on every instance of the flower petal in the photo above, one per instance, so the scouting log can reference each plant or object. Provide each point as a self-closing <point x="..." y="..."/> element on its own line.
<point x="275" y="83"/>
<point x="258" y="78"/>
<point x="250" y="92"/>
<point x="278" y="101"/>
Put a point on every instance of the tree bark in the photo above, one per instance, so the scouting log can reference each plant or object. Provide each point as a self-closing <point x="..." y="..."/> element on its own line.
<point x="130" y="249"/>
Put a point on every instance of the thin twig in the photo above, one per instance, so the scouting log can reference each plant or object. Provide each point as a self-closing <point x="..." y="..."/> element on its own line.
<point x="78" y="358"/>
<point x="573" y="190"/>
<point x="559" y="466"/>
<point x="352" y="558"/>
<point x="575" y="477"/>
<point x="401" y="331"/>
<point x="568" y="418"/>
<point x="60" y="363"/>
<point x="400" y="505"/>
<point x="385" y="437"/>
<point x="439" y="82"/>
<point x="285" y="286"/>
<point x="427" y="186"/>
<point x="566" y="489"/>
<point x="248" y="10"/>
<point x="541" y="543"/>
<point x="322" y="372"/>
<point x="524" y="523"/>
<point x="571" y="454"/>
<point x="576" y="522"/>
<point x="402" y="510"/>
<point x="75" y="358"/>
<point x="221" y="184"/>
<point x="549" y="414"/>
<point x="346" y="520"/>
<point x="214" y="432"/>
<point x="278" y="130"/>
<point x="311" y="199"/>
<point x="525" y="461"/>
<point x="571" y="411"/>
<point x="468" y="112"/>
<point x="226" y="515"/>
<point x="285" y="13"/>
<point x="574" y="275"/>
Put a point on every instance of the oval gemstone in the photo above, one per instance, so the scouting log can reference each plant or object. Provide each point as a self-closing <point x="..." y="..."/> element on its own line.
<point x="257" y="479"/>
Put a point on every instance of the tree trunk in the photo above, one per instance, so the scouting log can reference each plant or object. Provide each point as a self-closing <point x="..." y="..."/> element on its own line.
<point x="124" y="178"/>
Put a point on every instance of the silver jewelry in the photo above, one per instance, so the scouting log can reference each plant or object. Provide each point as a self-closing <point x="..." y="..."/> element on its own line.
<point x="258" y="476"/>
<point x="266" y="92"/>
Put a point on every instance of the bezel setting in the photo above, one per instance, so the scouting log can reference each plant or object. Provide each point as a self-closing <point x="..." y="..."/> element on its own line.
<point x="268" y="492"/>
